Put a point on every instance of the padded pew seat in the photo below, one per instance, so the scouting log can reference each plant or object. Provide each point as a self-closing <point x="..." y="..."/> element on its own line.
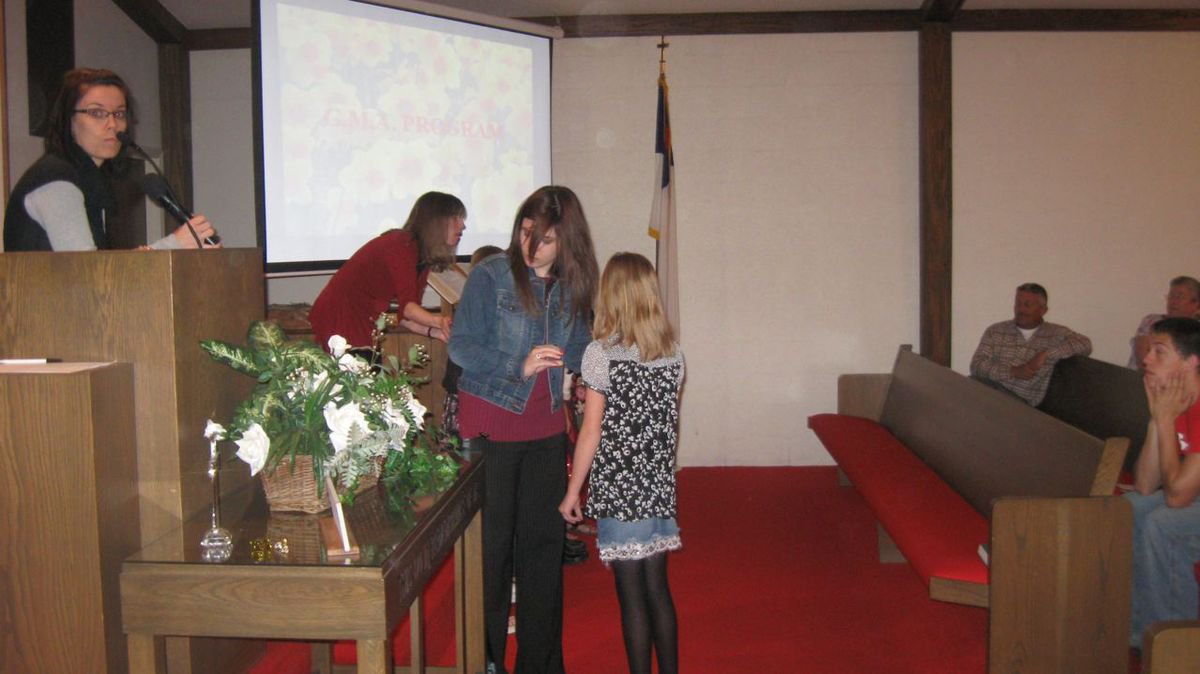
<point x="937" y="530"/>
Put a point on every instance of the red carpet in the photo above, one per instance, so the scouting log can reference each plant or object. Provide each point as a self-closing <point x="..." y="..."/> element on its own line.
<point x="778" y="574"/>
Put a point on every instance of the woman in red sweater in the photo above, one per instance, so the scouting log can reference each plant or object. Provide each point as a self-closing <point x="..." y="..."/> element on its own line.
<point x="392" y="266"/>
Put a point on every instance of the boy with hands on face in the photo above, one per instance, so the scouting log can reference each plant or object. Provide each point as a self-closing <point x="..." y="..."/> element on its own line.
<point x="1166" y="515"/>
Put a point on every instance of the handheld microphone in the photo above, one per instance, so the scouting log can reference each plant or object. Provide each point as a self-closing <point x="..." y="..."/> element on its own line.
<point x="156" y="187"/>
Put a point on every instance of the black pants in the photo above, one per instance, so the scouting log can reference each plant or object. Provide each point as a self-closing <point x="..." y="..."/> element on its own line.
<point x="523" y="533"/>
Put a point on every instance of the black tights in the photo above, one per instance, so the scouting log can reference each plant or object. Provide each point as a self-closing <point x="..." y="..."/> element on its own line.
<point x="647" y="614"/>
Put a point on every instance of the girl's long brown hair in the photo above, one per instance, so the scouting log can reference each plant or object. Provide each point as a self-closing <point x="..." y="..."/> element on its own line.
<point x="628" y="307"/>
<point x="427" y="222"/>
<point x="556" y="207"/>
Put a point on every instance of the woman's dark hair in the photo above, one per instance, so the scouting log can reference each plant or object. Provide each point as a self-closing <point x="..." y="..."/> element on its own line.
<point x="427" y="222"/>
<point x="59" y="140"/>
<point x="556" y="207"/>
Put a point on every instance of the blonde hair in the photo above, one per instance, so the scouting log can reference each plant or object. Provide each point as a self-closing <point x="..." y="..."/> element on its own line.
<point x="628" y="307"/>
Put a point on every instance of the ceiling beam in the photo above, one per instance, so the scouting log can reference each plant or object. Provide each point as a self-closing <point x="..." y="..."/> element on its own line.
<point x="160" y="25"/>
<point x="1077" y="20"/>
<point x="219" y="38"/>
<point x="735" y="23"/>
<point x="940" y="11"/>
<point x="154" y="20"/>
<point x="732" y="23"/>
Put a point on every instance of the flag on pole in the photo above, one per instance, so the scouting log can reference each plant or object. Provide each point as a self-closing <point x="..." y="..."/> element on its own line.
<point x="662" y="211"/>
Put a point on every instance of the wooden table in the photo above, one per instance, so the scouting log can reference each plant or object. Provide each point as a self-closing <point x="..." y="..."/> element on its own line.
<point x="166" y="591"/>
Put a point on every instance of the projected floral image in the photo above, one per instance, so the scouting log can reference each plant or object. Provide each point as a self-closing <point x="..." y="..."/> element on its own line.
<point x="374" y="114"/>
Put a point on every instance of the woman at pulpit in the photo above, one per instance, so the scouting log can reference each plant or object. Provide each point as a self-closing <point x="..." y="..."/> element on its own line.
<point x="64" y="201"/>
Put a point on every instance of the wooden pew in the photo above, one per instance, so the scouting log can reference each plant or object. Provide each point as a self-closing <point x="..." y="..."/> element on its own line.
<point x="968" y="445"/>
<point x="1100" y="399"/>
<point x="948" y="464"/>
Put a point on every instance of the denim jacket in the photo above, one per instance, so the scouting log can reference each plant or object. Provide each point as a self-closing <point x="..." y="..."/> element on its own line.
<point x="492" y="335"/>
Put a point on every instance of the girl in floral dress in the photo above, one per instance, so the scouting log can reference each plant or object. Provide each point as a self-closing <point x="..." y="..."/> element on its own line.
<point x="633" y="371"/>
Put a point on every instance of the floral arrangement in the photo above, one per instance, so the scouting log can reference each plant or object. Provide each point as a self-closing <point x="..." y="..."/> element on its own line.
<point x="352" y="417"/>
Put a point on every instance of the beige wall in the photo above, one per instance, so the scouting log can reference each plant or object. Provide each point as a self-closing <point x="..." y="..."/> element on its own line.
<point x="797" y="194"/>
<point x="1076" y="164"/>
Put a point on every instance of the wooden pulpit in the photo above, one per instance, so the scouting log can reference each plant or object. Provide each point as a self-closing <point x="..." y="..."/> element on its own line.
<point x="149" y="309"/>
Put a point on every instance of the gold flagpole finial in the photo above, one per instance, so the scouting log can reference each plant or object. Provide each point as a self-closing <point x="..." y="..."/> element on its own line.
<point x="662" y="54"/>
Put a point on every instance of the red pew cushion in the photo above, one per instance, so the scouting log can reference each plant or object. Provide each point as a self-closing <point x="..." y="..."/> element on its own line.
<point x="936" y="529"/>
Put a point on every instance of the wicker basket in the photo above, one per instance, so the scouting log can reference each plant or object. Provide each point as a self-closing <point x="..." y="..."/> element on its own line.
<point x="303" y="534"/>
<point x="292" y="487"/>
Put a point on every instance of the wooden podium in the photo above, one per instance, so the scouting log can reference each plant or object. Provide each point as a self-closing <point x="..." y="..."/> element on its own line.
<point x="150" y="309"/>
<point x="68" y="472"/>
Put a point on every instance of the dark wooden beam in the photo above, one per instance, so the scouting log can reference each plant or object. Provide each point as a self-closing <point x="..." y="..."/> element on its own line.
<point x="175" y="109"/>
<point x="174" y="91"/>
<point x="732" y="23"/>
<point x="219" y="38"/>
<point x="1077" y="20"/>
<point x="940" y="10"/>
<point x="936" y="207"/>
<point x="154" y="20"/>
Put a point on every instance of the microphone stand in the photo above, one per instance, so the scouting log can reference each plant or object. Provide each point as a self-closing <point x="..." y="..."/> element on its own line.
<point x="127" y="141"/>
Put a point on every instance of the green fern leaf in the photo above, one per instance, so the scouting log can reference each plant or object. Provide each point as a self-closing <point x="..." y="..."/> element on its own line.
<point x="237" y="357"/>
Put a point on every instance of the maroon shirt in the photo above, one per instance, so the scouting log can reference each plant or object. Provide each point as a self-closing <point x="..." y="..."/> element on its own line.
<point x="385" y="268"/>
<point x="477" y="416"/>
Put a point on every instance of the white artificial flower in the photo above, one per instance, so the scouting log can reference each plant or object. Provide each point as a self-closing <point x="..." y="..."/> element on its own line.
<point x="418" y="410"/>
<point x="316" y="382"/>
<point x="351" y="363"/>
<point x="253" y="447"/>
<point x="341" y="421"/>
<point x="395" y="419"/>
<point x="337" y="345"/>
<point x="214" y="431"/>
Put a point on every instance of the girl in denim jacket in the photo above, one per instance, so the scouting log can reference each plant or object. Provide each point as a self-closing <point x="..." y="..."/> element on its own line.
<point x="523" y="316"/>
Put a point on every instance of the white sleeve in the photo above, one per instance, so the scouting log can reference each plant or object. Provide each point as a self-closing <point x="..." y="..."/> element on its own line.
<point x="168" y="242"/>
<point x="58" y="207"/>
<point x="595" y="367"/>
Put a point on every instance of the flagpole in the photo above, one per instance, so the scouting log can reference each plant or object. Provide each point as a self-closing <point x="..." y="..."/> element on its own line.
<point x="662" y="72"/>
<point x="662" y="209"/>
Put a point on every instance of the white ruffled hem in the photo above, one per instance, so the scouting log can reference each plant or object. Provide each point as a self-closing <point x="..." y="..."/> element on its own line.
<point x="638" y="549"/>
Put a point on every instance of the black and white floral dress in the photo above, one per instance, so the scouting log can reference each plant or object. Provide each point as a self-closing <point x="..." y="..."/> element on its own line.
<point x="631" y="488"/>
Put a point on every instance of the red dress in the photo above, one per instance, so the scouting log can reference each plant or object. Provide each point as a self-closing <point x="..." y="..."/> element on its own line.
<point x="385" y="268"/>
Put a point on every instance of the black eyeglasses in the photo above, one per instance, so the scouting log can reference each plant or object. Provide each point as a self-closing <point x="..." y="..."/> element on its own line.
<point x="100" y="114"/>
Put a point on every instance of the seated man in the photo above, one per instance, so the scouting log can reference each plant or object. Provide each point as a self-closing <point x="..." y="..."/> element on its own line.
<point x="1166" y="516"/>
<point x="1183" y="299"/>
<point x="1018" y="356"/>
